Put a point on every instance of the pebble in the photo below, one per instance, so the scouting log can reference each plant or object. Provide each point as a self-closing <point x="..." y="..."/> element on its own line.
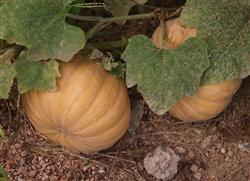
<point x="223" y="150"/>
<point x="101" y="171"/>
<point x="206" y="142"/>
<point x="180" y="149"/>
<point x="194" y="168"/>
<point x="191" y="154"/>
<point x="32" y="173"/>
<point x="197" y="175"/>
<point x="197" y="131"/>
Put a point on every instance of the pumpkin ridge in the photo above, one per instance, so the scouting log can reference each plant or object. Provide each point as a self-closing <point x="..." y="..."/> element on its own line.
<point x="110" y="141"/>
<point x="34" y="99"/>
<point x="106" y="115"/>
<point x="111" y="126"/>
<point x="89" y="107"/>
<point x="118" y="92"/>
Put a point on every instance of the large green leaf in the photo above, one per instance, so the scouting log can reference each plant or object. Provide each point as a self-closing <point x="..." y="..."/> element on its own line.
<point x="36" y="75"/>
<point x="39" y="25"/>
<point x="225" y="25"/>
<point x="7" y="73"/>
<point x="164" y="76"/>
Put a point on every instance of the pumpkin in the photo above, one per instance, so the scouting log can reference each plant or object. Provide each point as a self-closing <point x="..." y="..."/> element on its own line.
<point x="210" y="99"/>
<point x="89" y="111"/>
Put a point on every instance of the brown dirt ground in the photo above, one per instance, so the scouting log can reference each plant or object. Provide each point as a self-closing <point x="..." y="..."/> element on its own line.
<point x="208" y="150"/>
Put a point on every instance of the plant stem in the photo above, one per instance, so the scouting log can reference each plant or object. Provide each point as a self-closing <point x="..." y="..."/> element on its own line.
<point x="111" y="19"/>
<point x="84" y="18"/>
<point x="111" y="45"/>
<point x="164" y="34"/>
<point x="103" y="22"/>
<point x="10" y="53"/>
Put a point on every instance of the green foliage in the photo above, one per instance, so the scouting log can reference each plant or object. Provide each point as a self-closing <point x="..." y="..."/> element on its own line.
<point x="225" y="25"/>
<point x="3" y="174"/>
<point x="164" y="76"/>
<point x="36" y="75"/>
<point x="39" y="26"/>
<point x="115" y="68"/>
<point x="7" y="73"/>
<point x="121" y="7"/>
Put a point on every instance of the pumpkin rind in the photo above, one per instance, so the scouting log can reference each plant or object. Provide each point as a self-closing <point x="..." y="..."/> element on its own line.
<point x="90" y="110"/>
<point x="210" y="100"/>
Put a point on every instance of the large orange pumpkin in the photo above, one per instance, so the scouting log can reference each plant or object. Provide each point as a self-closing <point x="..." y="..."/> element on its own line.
<point x="211" y="99"/>
<point x="89" y="111"/>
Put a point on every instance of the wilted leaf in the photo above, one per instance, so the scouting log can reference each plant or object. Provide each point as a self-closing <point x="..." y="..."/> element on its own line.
<point x="7" y="73"/>
<point x="225" y="25"/>
<point x="39" y="25"/>
<point x="164" y="76"/>
<point x="36" y="75"/>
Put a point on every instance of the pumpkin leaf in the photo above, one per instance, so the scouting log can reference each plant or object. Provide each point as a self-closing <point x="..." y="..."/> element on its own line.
<point x="39" y="25"/>
<point x="164" y="76"/>
<point x="36" y="75"/>
<point x="121" y="7"/>
<point x="7" y="73"/>
<point x="225" y="25"/>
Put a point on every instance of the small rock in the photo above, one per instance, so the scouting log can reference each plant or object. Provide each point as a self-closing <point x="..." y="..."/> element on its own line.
<point x="194" y="168"/>
<point x="32" y="173"/>
<point x="180" y="149"/>
<point x="191" y="154"/>
<point x="85" y="168"/>
<point x="244" y="146"/>
<point x="162" y="163"/>
<point x="101" y="171"/>
<point x="223" y="150"/>
<point x="197" y="176"/>
<point x="206" y="142"/>
<point x="197" y="131"/>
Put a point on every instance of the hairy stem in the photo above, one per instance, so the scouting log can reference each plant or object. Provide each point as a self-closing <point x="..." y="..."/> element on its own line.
<point x="111" y="45"/>
<point x="10" y="53"/>
<point x="103" y="22"/>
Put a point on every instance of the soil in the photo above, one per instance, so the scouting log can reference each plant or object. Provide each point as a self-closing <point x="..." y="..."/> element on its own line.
<point x="211" y="150"/>
<point x="215" y="150"/>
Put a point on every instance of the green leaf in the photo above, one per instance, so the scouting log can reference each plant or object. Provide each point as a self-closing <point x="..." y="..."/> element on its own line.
<point x="3" y="174"/>
<point x="36" y="75"/>
<point x="115" y="68"/>
<point x="7" y="73"/>
<point x="225" y="25"/>
<point x="121" y="7"/>
<point x="39" y="25"/>
<point x="164" y="76"/>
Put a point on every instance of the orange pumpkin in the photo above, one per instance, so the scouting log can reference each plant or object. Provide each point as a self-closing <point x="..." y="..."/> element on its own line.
<point x="90" y="110"/>
<point x="211" y="99"/>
